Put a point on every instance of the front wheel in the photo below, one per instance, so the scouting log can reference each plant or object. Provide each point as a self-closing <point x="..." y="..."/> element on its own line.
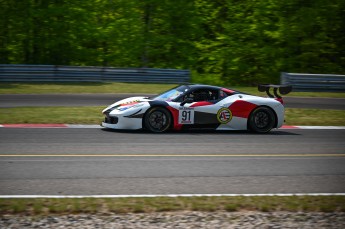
<point x="262" y="120"/>
<point x="158" y="120"/>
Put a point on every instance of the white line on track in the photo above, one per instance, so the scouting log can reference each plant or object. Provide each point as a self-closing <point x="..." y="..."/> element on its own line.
<point x="174" y="155"/>
<point x="322" y="127"/>
<point x="83" y="126"/>
<point x="167" y="195"/>
<point x="80" y="126"/>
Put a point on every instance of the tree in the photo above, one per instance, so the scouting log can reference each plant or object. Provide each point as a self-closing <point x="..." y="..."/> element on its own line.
<point x="227" y="41"/>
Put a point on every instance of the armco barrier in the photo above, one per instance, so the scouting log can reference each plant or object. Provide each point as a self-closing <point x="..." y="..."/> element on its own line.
<point x="54" y="73"/>
<point x="314" y="82"/>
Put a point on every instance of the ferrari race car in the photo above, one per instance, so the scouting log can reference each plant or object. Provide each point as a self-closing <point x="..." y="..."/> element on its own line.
<point x="199" y="106"/>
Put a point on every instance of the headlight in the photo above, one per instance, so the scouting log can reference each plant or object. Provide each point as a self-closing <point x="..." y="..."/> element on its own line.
<point x="123" y="108"/>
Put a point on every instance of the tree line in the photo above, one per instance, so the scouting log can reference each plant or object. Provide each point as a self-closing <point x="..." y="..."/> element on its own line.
<point x="220" y="41"/>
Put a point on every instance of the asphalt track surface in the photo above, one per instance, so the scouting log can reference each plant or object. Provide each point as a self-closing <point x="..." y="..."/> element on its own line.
<point x="65" y="161"/>
<point x="106" y="99"/>
<point x="103" y="162"/>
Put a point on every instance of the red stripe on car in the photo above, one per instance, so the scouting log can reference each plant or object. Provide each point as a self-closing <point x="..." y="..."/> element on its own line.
<point x="175" y="113"/>
<point x="280" y="100"/>
<point x="228" y="91"/>
<point x="241" y="108"/>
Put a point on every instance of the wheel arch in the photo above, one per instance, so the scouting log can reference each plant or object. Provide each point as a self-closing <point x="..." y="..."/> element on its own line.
<point x="274" y="112"/>
<point x="161" y="105"/>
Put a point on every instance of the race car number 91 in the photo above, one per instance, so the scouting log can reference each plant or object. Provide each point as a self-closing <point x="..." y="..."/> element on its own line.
<point x="186" y="116"/>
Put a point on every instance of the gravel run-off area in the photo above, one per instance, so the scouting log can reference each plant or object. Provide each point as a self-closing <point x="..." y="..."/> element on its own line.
<point x="183" y="220"/>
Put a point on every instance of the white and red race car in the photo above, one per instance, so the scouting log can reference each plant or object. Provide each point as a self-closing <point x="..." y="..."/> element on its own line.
<point x="199" y="106"/>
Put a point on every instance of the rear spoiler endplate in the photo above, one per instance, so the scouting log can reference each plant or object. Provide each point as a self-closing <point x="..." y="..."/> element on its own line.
<point x="282" y="89"/>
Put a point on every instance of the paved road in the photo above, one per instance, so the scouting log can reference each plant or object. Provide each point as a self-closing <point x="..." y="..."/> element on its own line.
<point x="21" y="100"/>
<point x="95" y="161"/>
<point x="106" y="99"/>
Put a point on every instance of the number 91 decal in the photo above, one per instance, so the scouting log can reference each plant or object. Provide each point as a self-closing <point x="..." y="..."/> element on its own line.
<point x="186" y="116"/>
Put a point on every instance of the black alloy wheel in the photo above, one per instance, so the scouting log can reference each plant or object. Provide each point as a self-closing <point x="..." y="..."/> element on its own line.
<point x="262" y="120"/>
<point x="158" y="120"/>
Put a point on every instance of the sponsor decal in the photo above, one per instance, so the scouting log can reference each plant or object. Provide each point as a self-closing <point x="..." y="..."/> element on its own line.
<point x="130" y="103"/>
<point x="138" y="105"/>
<point x="224" y="115"/>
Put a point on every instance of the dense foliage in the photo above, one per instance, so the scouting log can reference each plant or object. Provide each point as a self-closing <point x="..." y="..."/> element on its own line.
<point x="233" y="41"/>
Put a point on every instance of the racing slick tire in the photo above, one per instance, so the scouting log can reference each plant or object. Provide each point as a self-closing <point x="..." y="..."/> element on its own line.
<point x="157" y="120"/>
<point x="262" y="120"/>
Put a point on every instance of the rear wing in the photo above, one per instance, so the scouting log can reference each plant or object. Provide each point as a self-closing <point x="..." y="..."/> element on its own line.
<point x="282" y="89"/>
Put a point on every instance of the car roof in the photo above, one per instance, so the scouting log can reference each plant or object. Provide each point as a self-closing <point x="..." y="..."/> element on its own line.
<point x="202" y="86"/>
<point x="210" y="87"/>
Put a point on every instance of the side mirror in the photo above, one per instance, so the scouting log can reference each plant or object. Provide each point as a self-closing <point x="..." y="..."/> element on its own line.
<point x="188" y="100"/>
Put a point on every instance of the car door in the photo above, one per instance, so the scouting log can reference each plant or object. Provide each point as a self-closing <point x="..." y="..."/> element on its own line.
<point x="202" y="111"/>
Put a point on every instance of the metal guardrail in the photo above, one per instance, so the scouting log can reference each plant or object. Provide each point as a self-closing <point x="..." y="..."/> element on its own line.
<point x="314" y="82"/>
<point x="55" y="73"/>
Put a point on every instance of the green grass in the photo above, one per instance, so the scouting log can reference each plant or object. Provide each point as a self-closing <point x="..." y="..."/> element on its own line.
<point x="163" y="204"/>
<point x="93" y="115"/>
<point x="62" y="88"/>
<point x="56" y="115"/>
<point x="314" y="117"/>
<point x="145" y="88"/>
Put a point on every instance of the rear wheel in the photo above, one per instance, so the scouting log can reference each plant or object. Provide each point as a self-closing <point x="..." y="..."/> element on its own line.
<point x="262" y="120"/>
<point x="158" y="120"/>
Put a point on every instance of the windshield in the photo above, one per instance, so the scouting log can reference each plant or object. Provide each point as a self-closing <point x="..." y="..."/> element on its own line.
<point x="171" y="94"/>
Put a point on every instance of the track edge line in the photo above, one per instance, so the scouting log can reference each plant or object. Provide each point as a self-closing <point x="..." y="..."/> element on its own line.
<point x="164" y="195"/>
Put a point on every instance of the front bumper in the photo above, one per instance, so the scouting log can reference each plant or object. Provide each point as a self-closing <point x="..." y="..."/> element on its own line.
<point x="111" y="120"/>
<point x="122" y="123"/>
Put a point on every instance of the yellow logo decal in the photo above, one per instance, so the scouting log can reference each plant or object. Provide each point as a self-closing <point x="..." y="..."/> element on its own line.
<point x="224" y="115"/>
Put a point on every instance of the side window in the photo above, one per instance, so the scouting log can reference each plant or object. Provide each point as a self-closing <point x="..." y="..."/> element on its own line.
<point x="203" y="95"/>
<point x="222" y="94"/>
<point x="214" y="95"/>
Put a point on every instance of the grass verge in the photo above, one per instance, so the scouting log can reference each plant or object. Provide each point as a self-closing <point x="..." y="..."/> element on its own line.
<point x="56" y="115"/>
<point x="164" y="204"/>
<point x="314" y="117"/>
<point x="93" y="115"/>
<point x="62" y="88"/>
<point x="145" y="88"/>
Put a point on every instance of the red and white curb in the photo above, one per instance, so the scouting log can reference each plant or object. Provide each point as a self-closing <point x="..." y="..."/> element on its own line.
<point x="314" y="127"/>
<point x="48" y="126"/>
<point x="168" y="195"/>
<point x="99" y="127"/>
